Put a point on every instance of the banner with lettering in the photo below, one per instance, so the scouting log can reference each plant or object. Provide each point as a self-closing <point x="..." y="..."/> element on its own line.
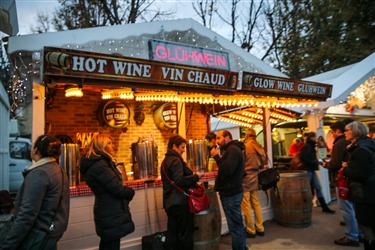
<point x="65" y="63"/>
<point x="286" y="87"/>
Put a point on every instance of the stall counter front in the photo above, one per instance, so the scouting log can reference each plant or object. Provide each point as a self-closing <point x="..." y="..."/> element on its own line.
<point x="146" y="209"/>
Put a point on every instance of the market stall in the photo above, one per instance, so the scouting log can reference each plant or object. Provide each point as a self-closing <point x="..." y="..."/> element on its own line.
<point x="141" y="85"/>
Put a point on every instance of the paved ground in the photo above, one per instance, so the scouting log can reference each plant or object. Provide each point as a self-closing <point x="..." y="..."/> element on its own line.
<point x="320" y="235"/>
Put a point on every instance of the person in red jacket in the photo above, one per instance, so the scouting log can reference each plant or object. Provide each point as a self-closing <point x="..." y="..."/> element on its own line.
<point x="295" y="147"/>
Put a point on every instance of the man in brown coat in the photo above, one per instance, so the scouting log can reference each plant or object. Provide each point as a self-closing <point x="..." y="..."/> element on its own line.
<point x="255" y="159"/>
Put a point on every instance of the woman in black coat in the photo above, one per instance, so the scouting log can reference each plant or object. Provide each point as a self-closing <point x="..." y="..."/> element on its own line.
<point x="111" y="210"/>
<point x="360" y="168"/>
<point x="180" y="219"/>
<point x="309" y="160"/>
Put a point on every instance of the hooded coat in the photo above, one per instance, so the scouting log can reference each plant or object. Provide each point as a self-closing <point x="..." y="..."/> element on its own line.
<point x="231" y="169"/>
<point x="111" y="209"/>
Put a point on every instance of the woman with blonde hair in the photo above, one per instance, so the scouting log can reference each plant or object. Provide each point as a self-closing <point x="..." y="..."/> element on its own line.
<point x="111" y="209"/>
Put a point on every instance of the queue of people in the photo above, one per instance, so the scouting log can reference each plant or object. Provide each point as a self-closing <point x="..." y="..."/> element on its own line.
<point x="352" y="234"/>
<point x="42" y="205"/>
<point x="353" y="153"/>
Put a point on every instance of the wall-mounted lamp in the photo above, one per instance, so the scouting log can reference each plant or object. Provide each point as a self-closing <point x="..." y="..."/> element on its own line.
<point x="124" y="93"/>
<point x="73" y="92"/>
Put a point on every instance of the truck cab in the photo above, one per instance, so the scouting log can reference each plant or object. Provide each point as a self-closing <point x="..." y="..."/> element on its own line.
<point x="19" y="159"/>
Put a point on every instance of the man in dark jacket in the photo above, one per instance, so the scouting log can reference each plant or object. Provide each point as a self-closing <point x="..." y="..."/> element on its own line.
<point x="229" y="185"/>
<point x="346" y="206"/>
<point x="310" y="162"/>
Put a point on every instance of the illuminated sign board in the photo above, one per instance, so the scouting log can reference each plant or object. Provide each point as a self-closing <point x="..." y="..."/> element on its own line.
<point x="172" y="52"/>
<point x="137" y="72"/>
<point x="279" y="86"/>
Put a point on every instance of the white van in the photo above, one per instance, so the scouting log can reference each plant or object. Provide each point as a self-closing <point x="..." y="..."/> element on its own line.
<point x="19" y="159"/>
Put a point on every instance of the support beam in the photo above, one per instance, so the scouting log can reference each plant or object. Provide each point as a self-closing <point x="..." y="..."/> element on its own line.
<point x="38" y="107"/>
<point x="267" y="135"/>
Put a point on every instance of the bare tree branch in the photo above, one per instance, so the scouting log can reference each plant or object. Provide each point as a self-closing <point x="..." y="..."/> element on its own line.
<point x="205" y="10"/>
<point x="233" y="18"/>
<point x="43" y="24"/>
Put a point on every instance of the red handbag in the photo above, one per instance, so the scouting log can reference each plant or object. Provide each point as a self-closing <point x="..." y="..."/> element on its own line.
<point x="342" y="185"/>
<point x="198" y="199"/>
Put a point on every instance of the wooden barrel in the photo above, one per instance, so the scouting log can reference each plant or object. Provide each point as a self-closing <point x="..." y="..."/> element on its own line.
<point x="207" y="225"/>
<point x="58" y="59"/>
<point x="292" y="204"/>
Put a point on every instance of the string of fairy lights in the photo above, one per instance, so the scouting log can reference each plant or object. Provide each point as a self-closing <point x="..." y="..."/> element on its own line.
<point x="199" y="98"/>
<point x="21" y="74"/>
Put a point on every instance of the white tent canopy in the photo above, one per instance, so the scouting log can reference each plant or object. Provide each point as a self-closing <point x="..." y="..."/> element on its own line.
<point x="345" y="80"/>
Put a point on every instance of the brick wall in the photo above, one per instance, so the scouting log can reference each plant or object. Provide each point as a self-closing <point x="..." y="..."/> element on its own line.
<point x="69" y="116"/>
<point x="196" y="126"/>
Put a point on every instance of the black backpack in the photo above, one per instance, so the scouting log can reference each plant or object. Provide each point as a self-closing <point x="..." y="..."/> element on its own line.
<point x="268" y="178"/>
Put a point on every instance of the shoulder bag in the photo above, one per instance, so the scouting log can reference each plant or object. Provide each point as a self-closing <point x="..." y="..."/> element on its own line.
<point x="198" y="199"/>
<point x="36" y="239"/>
<point x="268" y="179"/>
<point x="342" y="185"/>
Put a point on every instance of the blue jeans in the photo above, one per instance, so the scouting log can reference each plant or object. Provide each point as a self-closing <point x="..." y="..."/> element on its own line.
<point x="315" y="183"/>
<point x="348" y="213"/>
<point x="232" y="210"/>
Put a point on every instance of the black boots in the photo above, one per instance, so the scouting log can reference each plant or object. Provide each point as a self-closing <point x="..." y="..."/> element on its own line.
<point x="325" y="207"/>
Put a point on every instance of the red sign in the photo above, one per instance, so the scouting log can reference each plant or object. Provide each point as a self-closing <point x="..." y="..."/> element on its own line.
<point x="89" y="65"/>
<point x="184" y="54"/>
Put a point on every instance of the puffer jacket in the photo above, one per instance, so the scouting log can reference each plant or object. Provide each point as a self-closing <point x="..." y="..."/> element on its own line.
<point x="36" y="204"/>
<point x="181" y="175"/>
<point x="231" y="169"/>
<point x="111" y="209"/>
<point x="254" y="157"/>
